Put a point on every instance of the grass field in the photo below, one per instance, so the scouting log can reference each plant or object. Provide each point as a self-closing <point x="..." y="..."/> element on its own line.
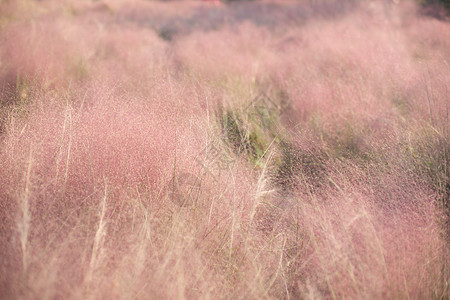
<point x="224" y="150"/>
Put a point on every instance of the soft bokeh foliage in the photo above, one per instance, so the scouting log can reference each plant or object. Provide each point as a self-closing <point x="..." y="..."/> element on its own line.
<point x="252" y="149"/>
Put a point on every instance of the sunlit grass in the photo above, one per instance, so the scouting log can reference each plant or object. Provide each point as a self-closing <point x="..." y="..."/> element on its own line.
<point x="252" y="149"/>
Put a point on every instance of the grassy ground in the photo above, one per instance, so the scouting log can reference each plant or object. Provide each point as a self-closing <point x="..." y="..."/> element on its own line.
<point x="256" y="149"/>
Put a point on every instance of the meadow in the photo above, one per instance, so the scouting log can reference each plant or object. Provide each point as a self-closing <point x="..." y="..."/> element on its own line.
<point x="224" y="150"/>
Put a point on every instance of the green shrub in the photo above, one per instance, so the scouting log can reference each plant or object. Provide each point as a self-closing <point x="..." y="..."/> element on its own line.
<point x="429" y="157"/>
<point x="251" y="129"/>
<point x="300" y="167"/>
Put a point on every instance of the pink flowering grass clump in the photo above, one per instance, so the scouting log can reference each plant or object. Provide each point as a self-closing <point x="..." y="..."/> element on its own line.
<point x="262" y="149"/>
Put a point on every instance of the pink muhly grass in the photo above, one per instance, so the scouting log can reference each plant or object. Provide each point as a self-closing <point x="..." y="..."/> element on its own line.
<point x="140" y="165"/>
